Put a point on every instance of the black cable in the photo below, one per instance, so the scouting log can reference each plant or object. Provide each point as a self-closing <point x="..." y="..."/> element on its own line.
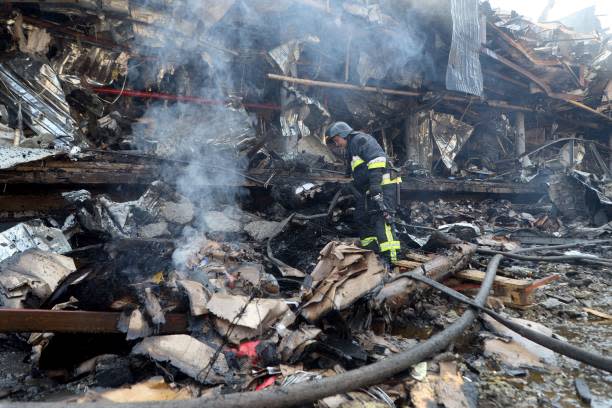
<point x="561" y="347"/>
<point x="592" y="259"/>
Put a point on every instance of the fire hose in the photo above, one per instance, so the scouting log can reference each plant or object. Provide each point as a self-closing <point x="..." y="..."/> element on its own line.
<point x="561" y="347"/>
<point x="309" y="392"/>
<point x="304" y="393"/>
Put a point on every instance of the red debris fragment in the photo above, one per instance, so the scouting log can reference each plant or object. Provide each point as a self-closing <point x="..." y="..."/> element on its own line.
<point x="266" y="383"/>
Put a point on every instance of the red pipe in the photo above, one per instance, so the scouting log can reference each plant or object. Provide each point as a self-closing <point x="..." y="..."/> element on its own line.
<point x="181" y="98"/>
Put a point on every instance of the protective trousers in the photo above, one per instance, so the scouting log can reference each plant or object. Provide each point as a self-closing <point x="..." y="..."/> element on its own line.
<point x="375" y="232"/>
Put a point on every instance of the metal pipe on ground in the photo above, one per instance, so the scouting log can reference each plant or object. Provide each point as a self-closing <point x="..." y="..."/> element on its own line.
<point x="300" y="394"/>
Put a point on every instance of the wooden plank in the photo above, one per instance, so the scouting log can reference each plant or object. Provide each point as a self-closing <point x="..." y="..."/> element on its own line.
<point x="405" y="264"/>
<point x="478" y="276"/>
<point x="517" y="293"/>
<point x="77" y="321"/>
<point x="415" y="256"/>
<point x="597" y="313"/>
<point x="541" y="282"/>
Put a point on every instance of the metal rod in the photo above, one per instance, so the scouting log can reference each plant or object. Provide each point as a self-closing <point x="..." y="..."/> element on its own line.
<point x="180" y="98"/>
<point x="339" y="85"/>
<point x="387" y="91"/>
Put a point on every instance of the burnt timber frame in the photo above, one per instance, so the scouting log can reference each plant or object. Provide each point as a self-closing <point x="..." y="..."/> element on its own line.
<point x="63" y="172"/>
<point x="77" y="321"/>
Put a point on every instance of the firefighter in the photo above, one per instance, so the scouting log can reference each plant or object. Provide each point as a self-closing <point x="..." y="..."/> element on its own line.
<point x="377" y="188"/>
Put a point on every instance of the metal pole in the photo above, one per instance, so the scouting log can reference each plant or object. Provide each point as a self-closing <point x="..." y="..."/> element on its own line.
<point x="519" y="143"/>
<point x="610" y="154"/>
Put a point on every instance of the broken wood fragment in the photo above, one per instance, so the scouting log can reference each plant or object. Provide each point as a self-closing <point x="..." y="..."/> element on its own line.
<point x="153" y="307"/>
<point x="597" y="313"/>
<point x="513" y="292"/>
<point x="408" y="265"/>
<point x="397" y="293"/>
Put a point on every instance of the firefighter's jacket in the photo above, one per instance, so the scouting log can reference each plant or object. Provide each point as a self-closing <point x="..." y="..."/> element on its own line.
<point x="368" y="162"/>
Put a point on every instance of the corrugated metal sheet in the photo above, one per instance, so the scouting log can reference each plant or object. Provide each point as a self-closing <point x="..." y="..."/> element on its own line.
<point x="35" y="86"/>
<point x="463" y="72"/>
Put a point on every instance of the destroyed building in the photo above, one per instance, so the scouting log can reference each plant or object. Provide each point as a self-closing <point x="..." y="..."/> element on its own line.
<point x="175" y="227"/>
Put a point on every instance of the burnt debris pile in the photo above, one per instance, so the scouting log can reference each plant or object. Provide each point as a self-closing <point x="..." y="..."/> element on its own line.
<point x="175" y="226"/>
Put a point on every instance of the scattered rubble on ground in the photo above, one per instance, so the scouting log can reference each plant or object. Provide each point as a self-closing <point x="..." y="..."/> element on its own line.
<point x="173" y="225"/>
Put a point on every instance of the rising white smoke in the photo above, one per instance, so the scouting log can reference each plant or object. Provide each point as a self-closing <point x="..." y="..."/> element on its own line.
<point x="191" y="62"/>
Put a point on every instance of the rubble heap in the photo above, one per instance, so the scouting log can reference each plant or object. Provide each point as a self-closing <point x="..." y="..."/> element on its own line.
<point x="174" y="226"/>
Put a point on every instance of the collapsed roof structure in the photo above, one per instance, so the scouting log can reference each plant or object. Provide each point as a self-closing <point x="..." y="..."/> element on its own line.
<point x="183" y="143"/>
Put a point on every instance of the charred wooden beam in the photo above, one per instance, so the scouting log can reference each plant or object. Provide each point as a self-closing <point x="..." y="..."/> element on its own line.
<point x="566" y="97"/>
<point x="398" y="293"/>
<point x="80" y="172"/>
<point x="77" y="321"/>
<point x="17" y="207"/>
<point x="522" y="49"/>
<point x="412" y="185"/>
<point x="104" y="173"/>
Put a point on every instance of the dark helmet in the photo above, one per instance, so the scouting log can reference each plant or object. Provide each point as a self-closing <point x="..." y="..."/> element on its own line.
<point x="339" y="129"/>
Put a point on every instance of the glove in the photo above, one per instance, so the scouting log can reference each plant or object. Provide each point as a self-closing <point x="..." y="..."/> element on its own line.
<point x="380" y="202"/>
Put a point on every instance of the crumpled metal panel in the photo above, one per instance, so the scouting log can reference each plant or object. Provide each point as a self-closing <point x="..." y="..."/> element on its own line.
<point x="36" y="87"/>
<point x="590" y="182"/>
<point x="302" y="115"/>
<point x="29" y="278"/>
<point x="419" y="147"/>
<point x="98" y="66"/>
<point x="371" y="12"/>
<point x="450" y="135"/>
<point x="32" y="234"/>
<point x="464" y="73"/>
<point x="13" y="155"/>
<point x="287" y="54"/>
<point x="147" y="217"/>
